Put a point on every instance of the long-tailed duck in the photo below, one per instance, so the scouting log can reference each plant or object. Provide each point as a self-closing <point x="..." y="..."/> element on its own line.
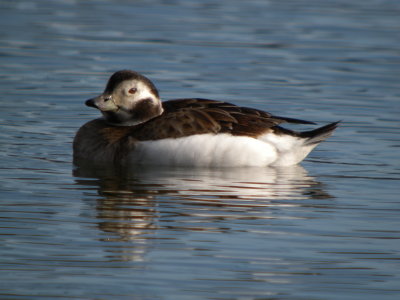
<point x="137" y="128"/>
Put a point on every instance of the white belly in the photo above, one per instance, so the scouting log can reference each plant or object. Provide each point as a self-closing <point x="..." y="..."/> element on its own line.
<point x="205" y="150"/>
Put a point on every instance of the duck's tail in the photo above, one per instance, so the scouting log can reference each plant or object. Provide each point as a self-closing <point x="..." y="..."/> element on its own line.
<point x="316" y="136"/>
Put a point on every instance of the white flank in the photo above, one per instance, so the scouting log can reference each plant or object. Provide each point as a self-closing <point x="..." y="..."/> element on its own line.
<point x="205" y="150"/>
<point x="291" y="150"/>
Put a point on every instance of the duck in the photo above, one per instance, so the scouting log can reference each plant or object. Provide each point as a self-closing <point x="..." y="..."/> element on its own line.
<point x="137" y="128"/>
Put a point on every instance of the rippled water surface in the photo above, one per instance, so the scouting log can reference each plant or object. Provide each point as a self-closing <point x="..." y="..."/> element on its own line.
<point x="328" y="229"/>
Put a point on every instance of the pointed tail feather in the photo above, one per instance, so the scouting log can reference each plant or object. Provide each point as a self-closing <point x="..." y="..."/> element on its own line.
<point x="318" y="135"/>
<point x="294" y="121"/>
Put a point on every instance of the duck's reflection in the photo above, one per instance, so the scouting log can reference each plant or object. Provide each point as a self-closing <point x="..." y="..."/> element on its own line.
<point x="133" y="203"/>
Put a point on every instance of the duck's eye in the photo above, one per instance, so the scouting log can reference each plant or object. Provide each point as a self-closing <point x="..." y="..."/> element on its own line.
<point x="108" y="98"/>
<point x="132" y="90"/>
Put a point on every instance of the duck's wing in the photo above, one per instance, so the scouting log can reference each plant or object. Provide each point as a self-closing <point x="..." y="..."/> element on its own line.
<point x="184" y="117"/>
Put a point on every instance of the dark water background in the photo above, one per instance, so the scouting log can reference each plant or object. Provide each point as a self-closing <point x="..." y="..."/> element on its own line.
<point x="328" y="229"/>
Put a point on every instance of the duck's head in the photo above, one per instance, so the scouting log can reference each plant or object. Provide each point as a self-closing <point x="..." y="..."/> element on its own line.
<point x="128" y="99"/>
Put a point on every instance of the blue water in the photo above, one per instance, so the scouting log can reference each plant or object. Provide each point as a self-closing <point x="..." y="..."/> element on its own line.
<point x="327" y="229"/>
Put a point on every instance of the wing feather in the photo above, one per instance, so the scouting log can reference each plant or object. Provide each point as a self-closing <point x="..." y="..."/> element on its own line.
<point x="184" y="117"/>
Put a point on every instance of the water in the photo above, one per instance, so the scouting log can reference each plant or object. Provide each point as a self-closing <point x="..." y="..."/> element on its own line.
<point x="328" y="229"/>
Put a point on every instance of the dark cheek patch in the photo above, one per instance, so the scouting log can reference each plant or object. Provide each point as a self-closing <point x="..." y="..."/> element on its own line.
<point x="145" y="109"/>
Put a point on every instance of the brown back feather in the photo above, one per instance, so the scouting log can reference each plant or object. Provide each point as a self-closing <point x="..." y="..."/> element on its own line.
<point x="186" y="117"/>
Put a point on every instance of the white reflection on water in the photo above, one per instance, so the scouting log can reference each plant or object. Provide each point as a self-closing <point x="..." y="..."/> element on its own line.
<point x="130" y="203"/>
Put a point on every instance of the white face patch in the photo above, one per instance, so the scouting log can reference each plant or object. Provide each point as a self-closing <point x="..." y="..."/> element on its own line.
<point x="126" y="100"/>
<point x="143" y="91"/>
<point x="136" y="102"/>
